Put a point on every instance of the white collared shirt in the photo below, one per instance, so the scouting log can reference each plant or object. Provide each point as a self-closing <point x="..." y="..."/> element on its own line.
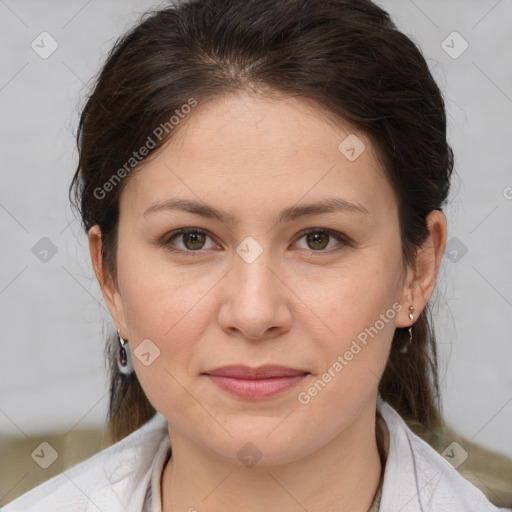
<point x="117" y="479"/>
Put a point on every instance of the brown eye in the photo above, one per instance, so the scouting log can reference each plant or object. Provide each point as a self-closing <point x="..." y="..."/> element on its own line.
<point x="188" y="242"/>
<point x="317" y="241"/>
<point x="193" y="240"/>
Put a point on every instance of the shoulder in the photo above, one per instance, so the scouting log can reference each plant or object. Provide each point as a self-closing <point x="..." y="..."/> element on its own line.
<point x="418" y="479"/>
<point x="115" y="479"/>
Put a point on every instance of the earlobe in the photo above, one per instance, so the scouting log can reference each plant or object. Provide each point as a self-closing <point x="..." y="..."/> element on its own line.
<point x="421" y="279"/>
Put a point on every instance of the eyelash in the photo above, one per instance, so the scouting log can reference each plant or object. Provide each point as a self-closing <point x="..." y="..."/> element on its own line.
<point x="194" y="254"/>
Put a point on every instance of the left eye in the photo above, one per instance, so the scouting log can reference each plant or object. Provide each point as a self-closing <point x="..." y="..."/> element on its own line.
<point x="193" y="240"/>
<point x="318" y="239"/>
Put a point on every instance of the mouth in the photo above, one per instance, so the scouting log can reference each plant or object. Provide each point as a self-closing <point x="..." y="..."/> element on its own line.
<point x="255" y="383"/>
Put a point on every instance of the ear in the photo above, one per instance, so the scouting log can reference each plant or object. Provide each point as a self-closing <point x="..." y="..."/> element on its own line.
<point x="108" y="287"/>
<point x="421" y="279"/>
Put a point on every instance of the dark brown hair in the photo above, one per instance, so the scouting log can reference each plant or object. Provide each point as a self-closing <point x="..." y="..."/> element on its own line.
<point x="345" y="55"/>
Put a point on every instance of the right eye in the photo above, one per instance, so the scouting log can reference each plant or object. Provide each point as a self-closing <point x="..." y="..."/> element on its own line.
<point x="193" y="240"/>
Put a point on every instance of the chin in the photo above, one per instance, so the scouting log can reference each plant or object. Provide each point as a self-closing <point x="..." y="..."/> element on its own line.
<point x="252" y="449"/>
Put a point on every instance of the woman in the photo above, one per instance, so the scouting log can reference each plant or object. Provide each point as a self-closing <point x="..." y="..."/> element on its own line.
<point x="262" y="185"/>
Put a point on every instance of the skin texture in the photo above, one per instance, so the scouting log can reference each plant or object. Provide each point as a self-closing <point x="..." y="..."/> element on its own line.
<point x="299" y="304"/>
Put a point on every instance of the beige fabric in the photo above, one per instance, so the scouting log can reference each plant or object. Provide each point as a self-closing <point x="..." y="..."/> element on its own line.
<point x="489" y="471"/>
<point x="19" y="472"/>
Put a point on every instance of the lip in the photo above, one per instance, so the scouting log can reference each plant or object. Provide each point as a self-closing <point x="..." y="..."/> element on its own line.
<point x="256" y="383"/>
<point x="260" y="372"/>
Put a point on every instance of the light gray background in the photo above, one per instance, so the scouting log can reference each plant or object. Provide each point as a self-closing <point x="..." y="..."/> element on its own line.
<point x="53" y="318"/>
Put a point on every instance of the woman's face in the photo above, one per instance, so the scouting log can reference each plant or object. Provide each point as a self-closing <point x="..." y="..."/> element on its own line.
<point x="253" y="288"/>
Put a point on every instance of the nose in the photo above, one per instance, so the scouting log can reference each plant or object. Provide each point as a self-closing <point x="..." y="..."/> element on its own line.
<point x="256" y="300"/>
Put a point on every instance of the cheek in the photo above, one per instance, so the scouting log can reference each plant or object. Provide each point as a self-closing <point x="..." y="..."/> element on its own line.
<point x="352" y="313"/>
<point x="160" y="308"/>
<point x="158" y="298"/>
<point x="351" y="360"/>
<point x="347" y="299"/>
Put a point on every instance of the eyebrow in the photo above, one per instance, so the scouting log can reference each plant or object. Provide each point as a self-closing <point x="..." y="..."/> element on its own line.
<point x="286" y="215"/>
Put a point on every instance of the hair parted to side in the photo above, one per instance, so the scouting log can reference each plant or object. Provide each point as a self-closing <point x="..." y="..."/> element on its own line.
<point x="348" y="57"/>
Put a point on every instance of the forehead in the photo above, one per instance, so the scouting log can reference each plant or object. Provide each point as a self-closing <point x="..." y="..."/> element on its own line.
<point x="254" y="123"/>
<point x="253" y="147"/>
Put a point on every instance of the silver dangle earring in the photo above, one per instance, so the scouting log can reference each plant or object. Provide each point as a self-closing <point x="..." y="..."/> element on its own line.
<point x="405" y="348"/>
<point x="124" y="363"/>
<point x="411" y="318"/>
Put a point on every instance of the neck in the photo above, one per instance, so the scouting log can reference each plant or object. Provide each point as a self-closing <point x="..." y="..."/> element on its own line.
<point x="342" y="475"/>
